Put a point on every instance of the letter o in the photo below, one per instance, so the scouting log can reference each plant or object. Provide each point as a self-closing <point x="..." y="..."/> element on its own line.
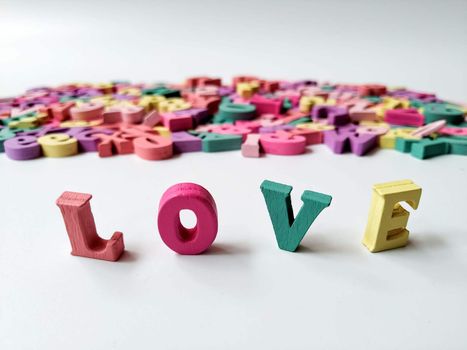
<point x="187" y="241"/>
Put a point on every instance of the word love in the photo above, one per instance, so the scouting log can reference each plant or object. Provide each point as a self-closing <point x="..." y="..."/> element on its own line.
<point x="386" y="228"/>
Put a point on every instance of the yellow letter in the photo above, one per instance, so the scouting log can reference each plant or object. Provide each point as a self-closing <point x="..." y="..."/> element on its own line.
<point x="58" y="145"/>
<point x="387" y="219"/>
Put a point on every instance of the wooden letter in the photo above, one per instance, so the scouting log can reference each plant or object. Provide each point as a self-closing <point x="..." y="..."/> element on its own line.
<point x="289" y="231"/>
<point x="187" y="241"/>
<point x="387" y="219"/>
<point x="58" y="145"/>
<point x="79" y="222"/>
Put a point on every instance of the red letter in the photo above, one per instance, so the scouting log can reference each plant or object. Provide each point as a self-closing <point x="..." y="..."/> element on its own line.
<point x="81" y="229"/>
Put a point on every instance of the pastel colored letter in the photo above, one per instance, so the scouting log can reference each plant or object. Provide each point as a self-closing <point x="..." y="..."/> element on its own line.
<point x="58" y="145"/>
<point x="387" y="219"/>
<point x="187" y="241"/>
<point x="289" y="231"/>
<point x="79" y="222"/>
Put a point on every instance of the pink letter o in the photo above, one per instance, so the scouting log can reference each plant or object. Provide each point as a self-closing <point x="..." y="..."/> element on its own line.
<point x="187" y="241"/>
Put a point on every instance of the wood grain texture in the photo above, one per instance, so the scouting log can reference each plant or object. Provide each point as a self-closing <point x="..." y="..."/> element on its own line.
<point x="189" y="196"/>
<point x="81" y="229"/>
<point x="387" y="220"/>
<point x="290" y="231"/>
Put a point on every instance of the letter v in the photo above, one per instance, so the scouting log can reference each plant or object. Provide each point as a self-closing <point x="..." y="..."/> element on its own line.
<point x="289" y="231"/>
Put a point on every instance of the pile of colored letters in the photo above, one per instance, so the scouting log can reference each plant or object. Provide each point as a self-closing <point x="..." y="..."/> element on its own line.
<point x="253" y="115"/>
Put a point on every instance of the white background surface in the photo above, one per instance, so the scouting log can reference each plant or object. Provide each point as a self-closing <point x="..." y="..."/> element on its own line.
<point x="419" y="44"/>
<point x="245" y="293"/>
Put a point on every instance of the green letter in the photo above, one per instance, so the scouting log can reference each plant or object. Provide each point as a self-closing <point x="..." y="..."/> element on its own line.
<point x="289" y="231"/>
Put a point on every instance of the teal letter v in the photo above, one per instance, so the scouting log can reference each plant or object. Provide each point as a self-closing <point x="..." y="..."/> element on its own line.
<point x="289" y="231"/>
